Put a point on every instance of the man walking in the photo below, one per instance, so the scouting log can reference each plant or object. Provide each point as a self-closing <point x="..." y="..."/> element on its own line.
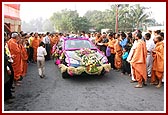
<point x="41" y="52"/>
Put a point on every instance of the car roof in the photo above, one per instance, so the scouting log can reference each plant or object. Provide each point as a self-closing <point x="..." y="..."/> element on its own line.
<point x="76" y="39"/>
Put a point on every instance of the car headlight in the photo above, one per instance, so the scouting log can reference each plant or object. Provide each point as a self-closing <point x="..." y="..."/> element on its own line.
<point x="72" y="61"/>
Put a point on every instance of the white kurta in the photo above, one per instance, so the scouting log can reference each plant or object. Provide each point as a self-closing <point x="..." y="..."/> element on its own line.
<point x="130" y="57"/>
<point x="41" y="53"/>
<point x="149" y="59"/>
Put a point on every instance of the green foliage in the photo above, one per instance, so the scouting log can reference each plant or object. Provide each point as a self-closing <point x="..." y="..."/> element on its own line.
<point x="139" y="15"/>
<point x="37" y="25"/>
<point x="68" y="21"/>
<point x="129" y="18"/>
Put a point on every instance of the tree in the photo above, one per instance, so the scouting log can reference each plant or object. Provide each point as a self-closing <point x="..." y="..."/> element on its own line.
<point x="47" y="26"/>
<point x="65" y="20"/>
<point x="69" y="21"/>
<point x="35" y="25"/>
<point x="25" y="27"/>
<point x="96" y="20"/>
<point x="139" y="15"/>
<point x="124" y="19"/>
<point x="83" y="24"/>
<point x="129" y="18"/>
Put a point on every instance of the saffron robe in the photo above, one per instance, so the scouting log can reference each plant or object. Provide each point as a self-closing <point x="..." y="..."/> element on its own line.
<point x="24" y="60"/>
<point x="158" y="62"/>
<point x="16" y="55"/>
<point x="35" y="45"/>
<point x="118" y="55"/>
<point x="138" y="61"/>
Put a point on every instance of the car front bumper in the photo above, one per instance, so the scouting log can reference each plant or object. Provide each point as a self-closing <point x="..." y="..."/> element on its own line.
<point x="81" y="69"/>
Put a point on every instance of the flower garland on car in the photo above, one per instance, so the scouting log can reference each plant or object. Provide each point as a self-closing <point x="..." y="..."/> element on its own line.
<point x="89" y="63"/>
<point x="58" y="55"/>
<point x="56" y="52"/>
<point x="89" y="59"/>
<point x="84" y="51"/>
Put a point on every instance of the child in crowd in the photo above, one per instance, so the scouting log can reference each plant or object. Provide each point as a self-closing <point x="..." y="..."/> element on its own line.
<point x="125" y="64"/>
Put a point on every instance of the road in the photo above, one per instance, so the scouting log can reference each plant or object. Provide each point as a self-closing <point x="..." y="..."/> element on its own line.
<point x="112" y="92"/>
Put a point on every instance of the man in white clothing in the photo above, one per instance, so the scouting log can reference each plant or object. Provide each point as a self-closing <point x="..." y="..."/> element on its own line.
<point x="41" y="53"/>
<point x="129" y="59"/>
<point x="150" y="46"/>
<point x="46" y="41"/>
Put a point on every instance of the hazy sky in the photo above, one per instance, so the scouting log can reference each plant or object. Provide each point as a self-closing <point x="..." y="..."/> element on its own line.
<point x="30" y="10"/>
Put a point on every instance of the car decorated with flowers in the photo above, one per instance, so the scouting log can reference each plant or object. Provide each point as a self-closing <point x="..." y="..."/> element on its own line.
<point x="79" y="56"/>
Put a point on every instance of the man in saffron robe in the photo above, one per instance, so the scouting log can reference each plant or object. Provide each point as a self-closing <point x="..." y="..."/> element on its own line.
<point x="24" y="58"/>
<point x="16" y="55"/>
<point x="138" y="61"/>
<point x="52" y="39"/>
<point x="158" y="62"/>
<point x="118" y="51"/>
<point x="35" y="45"/>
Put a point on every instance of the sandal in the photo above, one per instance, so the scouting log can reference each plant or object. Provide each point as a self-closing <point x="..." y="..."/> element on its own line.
<point x="145" y="84"/>
<point x="138" y="86"/>
<point x="132" y="81"/>
<point x="154" y="83"/>
<point x="158" y="86"/>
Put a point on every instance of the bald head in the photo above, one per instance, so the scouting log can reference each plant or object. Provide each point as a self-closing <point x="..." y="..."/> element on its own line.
<point x="14" y="35"/>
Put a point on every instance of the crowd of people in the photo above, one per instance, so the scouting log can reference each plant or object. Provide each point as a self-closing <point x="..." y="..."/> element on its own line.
<point x="140" y="57"/>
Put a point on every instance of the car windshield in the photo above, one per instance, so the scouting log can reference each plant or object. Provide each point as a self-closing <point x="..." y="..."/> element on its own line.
<point x="78" y="44"/>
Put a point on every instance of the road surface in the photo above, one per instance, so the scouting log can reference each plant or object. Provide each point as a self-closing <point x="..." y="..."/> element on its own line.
<point x="112" y="92"/>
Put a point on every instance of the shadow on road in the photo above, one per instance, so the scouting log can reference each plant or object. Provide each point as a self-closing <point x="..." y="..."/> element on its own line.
<point x="89" y="78"/>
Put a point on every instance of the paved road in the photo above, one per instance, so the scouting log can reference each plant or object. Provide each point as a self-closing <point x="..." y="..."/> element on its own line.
<point x="112" y="92"/>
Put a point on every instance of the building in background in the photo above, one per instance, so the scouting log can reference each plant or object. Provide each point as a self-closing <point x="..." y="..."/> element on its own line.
<point x="12" y="21"/>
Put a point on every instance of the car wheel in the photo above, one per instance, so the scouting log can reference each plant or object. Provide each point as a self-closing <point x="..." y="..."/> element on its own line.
<point x="65" y="75"/>
<point x="103" y="72"/>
